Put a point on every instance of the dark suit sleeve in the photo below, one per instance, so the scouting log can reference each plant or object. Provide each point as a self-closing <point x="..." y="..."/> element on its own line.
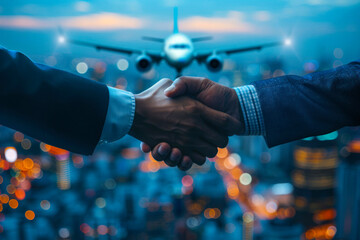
<point x="295" y="107"/>
<point x="59" y="108"/>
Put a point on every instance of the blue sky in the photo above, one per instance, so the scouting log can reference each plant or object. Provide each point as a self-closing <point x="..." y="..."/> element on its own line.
<point x="317" y="27"/>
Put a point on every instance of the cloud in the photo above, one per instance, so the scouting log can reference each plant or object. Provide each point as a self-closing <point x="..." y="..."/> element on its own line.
<point x="91" y="22"/>
<point x="22" y="22"/>
<point x="232" y="23"/>
<point x="102" y="21"/>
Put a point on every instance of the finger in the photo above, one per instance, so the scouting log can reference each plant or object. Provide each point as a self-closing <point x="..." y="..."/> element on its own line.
<point x="162" y="83"/>
<point x="161" y="151"/>
<point x="212" y="136"/>
<point x="185" y="164"/>
<point x="175" y="158"/>
<point x="198" y="144"/>
<point x="144" y="147"/>
<point x="222" y="121"/>
<point x="207" y="150"/>
<point x="188" y="86"/>
<point x="197" y="158"/>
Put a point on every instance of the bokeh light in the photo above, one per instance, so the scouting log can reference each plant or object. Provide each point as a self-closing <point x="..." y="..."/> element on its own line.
<point x="122" y="64"/>
<point x="30" y="215"/>
<point x="82" y="67"/>
<point x="10" y="154"/>
<point x="64" y="233"/>
<point x="245" y="179"/>
<point x="13" y="203"/>
<point x="45" y="204"/>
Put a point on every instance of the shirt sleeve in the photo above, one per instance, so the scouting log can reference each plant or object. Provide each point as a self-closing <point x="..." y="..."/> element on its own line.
<point x="251" y="110"/>
<point x="120" y="115"/>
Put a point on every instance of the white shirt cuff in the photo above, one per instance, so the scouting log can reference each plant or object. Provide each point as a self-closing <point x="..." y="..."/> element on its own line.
<point x="120" y="115"/>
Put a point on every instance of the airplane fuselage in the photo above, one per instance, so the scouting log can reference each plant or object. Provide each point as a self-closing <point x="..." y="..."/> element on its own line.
<point x="178" y="50"/>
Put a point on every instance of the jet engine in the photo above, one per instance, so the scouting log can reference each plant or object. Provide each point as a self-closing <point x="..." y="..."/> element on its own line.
<point x="214" y="63"/>
<point x="143" y="63"/>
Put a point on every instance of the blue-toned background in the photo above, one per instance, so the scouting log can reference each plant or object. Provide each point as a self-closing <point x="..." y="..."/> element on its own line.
<point x="303" y="190"/>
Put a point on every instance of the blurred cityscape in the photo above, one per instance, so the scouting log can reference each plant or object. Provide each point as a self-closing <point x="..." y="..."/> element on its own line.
<point x="302" y="190"/>
<point x="307" y="189"/>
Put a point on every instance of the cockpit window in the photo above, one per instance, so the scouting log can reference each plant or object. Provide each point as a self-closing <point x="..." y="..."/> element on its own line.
<point x="180" y="46"/>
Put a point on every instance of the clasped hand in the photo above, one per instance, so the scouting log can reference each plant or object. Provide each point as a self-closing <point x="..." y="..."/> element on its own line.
<point x="183" y="129"/>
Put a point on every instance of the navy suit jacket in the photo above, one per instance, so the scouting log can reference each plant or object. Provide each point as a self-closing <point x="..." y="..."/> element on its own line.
<point x="295" y="107"/>
<point x="59" y="108"/>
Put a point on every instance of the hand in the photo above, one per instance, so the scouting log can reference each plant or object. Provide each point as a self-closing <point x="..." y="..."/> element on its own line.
<point x="184" y="123"/>
<point x="209" y="93"/>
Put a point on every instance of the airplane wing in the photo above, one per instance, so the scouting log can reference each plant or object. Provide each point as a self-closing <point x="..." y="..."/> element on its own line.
<point x="156" y="57"/>
<point x="201" y="57"/>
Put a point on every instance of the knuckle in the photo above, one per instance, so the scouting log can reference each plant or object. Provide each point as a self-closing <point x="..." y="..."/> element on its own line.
<point x="193" y="108"/>
<point x="205" y="82"/>
<point x="204" y="79"/>
<point x="166" y="81"/>
<point x="181" y="79"/>
<point x="225" y="119"/>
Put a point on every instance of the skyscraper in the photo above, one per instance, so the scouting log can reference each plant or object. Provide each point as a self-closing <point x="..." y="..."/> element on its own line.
<point x="348" y="193"/>
<point x="315" y="161"/>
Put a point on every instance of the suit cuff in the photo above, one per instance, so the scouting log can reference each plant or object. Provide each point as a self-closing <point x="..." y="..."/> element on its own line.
<point x="120" y="115"/>
<point x="251" y="110"/>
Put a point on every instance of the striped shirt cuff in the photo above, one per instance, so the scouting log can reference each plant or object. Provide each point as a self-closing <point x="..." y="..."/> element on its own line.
<point x="251" y="109"/>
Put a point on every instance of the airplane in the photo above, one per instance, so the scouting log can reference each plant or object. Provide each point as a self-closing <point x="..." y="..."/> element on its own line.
<point x="178" y="51"/>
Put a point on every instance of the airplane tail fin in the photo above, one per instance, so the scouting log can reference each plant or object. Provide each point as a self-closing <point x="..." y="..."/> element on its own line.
<point x="176" y="28"/>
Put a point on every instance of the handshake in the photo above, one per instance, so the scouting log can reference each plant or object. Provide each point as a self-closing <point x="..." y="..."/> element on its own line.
<point x="185" y="121"/>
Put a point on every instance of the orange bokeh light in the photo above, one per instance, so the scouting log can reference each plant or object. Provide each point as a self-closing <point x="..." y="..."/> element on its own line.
<point x="28" y="163"/>
<point x="20" y="194"/>
<point x="30" y="215"/>
<point x="13" y="203"/>
<point x="222" y="153"/>
<point x="4" y="198"/>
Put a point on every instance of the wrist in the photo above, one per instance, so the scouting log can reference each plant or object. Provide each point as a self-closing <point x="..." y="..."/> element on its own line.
<point x="235" y="107"/>
<point x="138" y="115"/>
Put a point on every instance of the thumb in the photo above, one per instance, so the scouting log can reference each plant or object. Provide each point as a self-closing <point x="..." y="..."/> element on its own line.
<point x="187" y="86"/>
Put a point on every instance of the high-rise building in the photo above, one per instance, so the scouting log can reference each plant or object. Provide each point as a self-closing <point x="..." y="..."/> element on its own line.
<point x="348" y="193"/>
<point x="314" y="179"/>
